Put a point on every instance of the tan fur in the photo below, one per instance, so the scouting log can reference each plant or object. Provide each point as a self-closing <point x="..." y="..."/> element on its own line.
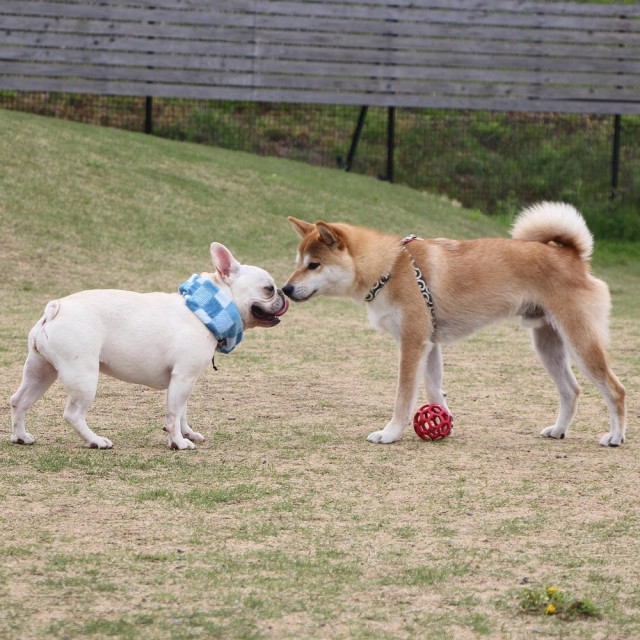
<point x="541" y="275"/>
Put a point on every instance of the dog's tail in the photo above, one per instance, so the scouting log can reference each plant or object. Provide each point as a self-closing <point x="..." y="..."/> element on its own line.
<point x="39" y="332"/>
<point x="554" y="222"/>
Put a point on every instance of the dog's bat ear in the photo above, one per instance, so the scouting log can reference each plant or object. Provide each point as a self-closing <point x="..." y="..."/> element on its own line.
<point x="329" y="235"/>
<point x="301" y="227"/>
<point x="223" y="260"/>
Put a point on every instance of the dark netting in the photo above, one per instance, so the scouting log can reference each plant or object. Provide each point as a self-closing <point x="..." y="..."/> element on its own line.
<point x="492" y="161"/>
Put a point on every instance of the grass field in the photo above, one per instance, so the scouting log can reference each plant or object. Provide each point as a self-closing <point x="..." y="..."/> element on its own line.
<point x="285" y="522"/>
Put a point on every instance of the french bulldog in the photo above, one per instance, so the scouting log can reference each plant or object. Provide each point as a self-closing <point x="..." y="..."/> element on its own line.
<point x="155" y="339"/>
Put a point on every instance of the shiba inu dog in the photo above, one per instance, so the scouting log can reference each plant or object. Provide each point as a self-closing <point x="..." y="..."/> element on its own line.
<point x="430" y="292"/>
<point x="160" y="340"/>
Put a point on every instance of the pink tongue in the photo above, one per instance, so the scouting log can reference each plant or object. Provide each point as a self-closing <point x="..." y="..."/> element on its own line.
<point x="282" y="311"/>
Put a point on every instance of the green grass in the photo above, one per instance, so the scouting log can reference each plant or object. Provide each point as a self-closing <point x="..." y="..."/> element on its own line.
<point x="286" y="523"/>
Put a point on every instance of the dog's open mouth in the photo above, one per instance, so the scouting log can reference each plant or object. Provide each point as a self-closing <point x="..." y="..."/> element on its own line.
<point x="267" y="318"/>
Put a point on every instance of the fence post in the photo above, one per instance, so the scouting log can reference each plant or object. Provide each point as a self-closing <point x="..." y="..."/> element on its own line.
<point x="148" y="103"/>
<point x="615" y="158"/>
<point x="391" y="141"/>
<point x="148" y="115"/>
<point x="356" y="138"/>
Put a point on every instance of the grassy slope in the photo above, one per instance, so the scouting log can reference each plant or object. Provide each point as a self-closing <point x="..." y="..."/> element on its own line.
<point x="285" y="523"/>
<point x="143" y="197"/>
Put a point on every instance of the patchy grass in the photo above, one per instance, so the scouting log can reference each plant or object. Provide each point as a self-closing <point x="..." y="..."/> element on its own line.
<point x="286" y="523"/>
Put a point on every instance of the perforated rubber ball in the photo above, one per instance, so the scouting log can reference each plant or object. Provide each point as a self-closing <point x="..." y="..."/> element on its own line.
<point x="432" y="422"/>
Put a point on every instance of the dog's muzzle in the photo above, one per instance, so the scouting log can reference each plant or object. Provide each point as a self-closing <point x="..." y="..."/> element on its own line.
<point x="268" y="317"/>
<point x="289" y="291"/>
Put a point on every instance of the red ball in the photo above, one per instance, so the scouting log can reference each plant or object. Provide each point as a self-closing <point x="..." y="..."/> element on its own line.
<point x="432" y="422"/>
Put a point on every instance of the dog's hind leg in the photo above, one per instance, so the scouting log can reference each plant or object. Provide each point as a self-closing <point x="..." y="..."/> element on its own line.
<point x="81" y="384"/>
<point x="550" y="347"/>
<point x="592" y="359"/>
<point x="614" y="394"/>
<point x="433" y="374"/>
<point x="38" y="375"/>
<point x="584" y="327"/>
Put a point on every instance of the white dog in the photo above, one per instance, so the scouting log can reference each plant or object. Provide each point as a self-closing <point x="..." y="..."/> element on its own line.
<point x="156" y="339"/>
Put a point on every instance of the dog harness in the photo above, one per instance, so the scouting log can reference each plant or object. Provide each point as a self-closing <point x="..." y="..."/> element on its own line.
<point x="217" y="312"/>
<point x="420" y="279"/>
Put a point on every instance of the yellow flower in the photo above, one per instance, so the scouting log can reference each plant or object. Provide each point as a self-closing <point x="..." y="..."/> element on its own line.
<point x="550" y="609"/>
<point x="551" y="591"/>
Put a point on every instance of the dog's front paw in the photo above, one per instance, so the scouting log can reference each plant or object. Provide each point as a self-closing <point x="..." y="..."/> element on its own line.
<point x="553" y="432"/>
<point x="194" y="436"/>
<point x="610" y="440"/>
<point x="99" y="443"/>
<point x="383" y="437"/>
<point x="23" y="438"/>
<point x="181" y="444"/>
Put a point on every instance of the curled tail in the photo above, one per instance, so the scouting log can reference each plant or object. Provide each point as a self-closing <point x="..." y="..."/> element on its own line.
<point x="554" y="222"/>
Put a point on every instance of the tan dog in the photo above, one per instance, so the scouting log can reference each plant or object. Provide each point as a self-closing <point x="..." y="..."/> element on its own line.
<point x="161" y="340"/>
<point x="434" y="291"/>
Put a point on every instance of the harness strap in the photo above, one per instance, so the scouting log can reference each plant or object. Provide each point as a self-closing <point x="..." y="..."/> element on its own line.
<point x="377" y="288"/>
<point x="422" y="283"/>
<point x="420" y="279"/>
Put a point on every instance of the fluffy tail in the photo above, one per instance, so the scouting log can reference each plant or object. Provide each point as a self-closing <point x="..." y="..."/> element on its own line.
<point x="554" y="222"/>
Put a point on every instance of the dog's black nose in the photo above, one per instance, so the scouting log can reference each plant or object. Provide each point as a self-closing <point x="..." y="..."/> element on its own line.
<point x="287" y="290"/>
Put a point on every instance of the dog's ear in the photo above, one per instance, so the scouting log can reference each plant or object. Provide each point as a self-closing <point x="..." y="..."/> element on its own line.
<point x="301" y="227"/>
<point x="330" y="235"/>
<point x="223" y="260"/>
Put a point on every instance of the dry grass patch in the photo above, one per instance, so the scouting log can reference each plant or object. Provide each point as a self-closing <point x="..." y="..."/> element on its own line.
<point x="286" y="523"/>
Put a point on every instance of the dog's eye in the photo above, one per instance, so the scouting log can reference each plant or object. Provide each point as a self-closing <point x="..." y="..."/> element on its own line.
<point x="313" y="265"/>
<point x="270" y="289"/>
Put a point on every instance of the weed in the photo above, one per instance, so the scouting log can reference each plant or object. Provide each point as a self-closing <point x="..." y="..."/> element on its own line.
<point x="551" y="601"/>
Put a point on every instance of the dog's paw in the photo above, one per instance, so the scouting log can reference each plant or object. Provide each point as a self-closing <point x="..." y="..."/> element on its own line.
<point x="23" y="438"/>
<point x="552" y="432"/>
<point x="100" y="443"/>
<point x="612" y="441"/>
<point x="194" y="436"/>
<point x="382" y="437"/>
<point x="181" y="444"/>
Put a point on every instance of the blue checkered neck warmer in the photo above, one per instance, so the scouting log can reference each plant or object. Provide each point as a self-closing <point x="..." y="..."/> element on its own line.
<point x="214" y="309"/>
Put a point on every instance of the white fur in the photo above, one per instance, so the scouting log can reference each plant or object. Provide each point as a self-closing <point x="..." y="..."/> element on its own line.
<point x="151" y="339"/>
<point x="385" y="316"/>
<point x="533" y="224"/>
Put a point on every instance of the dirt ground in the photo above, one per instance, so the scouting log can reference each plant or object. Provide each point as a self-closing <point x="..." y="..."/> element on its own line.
<point x="286" y="523"/>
